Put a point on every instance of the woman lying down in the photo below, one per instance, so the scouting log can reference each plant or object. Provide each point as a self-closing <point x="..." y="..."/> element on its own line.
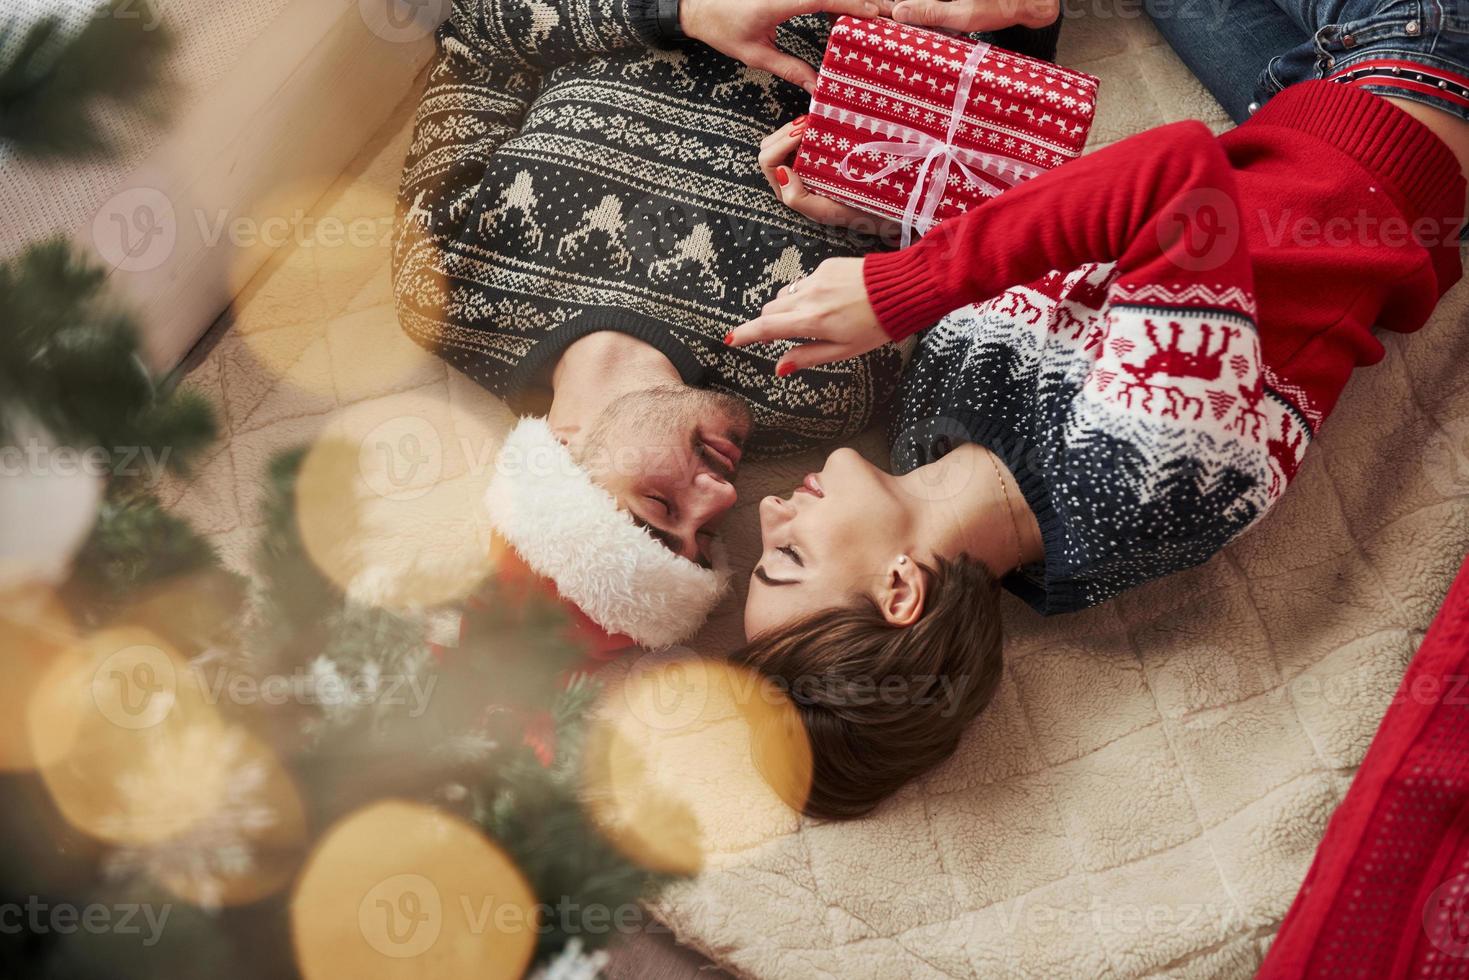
<point x="1102" y="426"/>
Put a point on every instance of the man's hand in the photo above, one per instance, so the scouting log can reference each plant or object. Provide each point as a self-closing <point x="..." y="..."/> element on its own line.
<point x="829" y="308"/>
<point x="745" y="29"/>
<point x="968" y="16"/>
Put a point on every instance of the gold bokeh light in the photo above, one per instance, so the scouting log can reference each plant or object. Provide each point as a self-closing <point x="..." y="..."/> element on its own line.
<point x="401" y="890"/>
<point x="389" y="502"/>
<point x="690" y="760"/>
<point x="115" y="726"/>
<point x="259" y="825"/>
<point x="310" y="312"/>
<point x="34" y="631"/>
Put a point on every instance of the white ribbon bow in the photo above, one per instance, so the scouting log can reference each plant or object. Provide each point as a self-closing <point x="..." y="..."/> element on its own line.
<point x="914" y="144"/>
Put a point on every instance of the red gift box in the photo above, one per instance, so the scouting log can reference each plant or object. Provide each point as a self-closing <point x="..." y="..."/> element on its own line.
<point x="919" y="126"/>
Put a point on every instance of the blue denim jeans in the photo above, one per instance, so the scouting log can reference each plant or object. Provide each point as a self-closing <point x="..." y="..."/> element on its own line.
<point x="1245" y="51"/>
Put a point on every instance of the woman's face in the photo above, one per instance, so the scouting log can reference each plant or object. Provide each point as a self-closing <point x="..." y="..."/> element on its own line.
<point x="829" y="540"/>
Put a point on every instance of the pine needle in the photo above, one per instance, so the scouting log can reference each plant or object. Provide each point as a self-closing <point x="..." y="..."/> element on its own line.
<point x="54" y="84"/>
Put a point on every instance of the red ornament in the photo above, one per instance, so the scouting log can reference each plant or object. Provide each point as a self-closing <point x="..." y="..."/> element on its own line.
<point x="540" y="737"/>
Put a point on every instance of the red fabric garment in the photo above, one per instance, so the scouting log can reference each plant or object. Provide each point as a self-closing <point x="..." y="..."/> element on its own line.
<point x="1388" y="892"/>
<point x="889" y="88"/>
<point x="1308" y="208"/>
<point x="514" y="582"/>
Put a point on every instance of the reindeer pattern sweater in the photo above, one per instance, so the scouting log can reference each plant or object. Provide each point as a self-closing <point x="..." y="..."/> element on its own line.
<point x="568" y="174"/>
<point x="1193" y="307"/>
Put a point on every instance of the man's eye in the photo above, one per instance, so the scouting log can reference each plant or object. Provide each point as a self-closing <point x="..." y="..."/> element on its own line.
<point x="790" y="553"/>
<point x="664" y="538"/>
<point x="661" y="502"/>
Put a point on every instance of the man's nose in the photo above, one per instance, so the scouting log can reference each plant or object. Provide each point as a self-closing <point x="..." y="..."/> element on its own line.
<point x="701" y="506"/>
<point x="709" y="498"/>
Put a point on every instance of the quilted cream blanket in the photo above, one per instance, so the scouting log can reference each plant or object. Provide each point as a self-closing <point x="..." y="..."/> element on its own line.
<point x="1147" y="791"/>
<point x="1144" y="796"/>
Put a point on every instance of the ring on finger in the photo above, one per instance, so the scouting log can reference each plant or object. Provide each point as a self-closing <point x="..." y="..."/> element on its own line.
<point x="795" y="283"/>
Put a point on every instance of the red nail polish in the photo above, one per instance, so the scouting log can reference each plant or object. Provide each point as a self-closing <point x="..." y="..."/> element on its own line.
<point x="783" y="369"/>
<point x="782" y="176"/>
<point x="729" y="337"/>
<point x="802" y="120"/>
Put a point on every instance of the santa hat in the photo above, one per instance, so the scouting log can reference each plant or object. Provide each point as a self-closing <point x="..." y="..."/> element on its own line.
<point x="569" y="531"/>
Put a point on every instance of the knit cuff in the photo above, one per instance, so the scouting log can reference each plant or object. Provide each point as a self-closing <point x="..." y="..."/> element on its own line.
<point x="903" y="291"/>
<point x="643" y="16"/>
<point x="655" y="21"/>
<point x="1033" y="42"/>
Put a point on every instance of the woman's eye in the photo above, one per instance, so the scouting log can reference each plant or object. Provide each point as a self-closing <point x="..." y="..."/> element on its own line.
<point x="790" y="553"/>
<point x="660" y="502"/>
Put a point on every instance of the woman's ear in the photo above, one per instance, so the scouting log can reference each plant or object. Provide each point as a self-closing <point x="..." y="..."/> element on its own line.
<point x="903" y="592"/>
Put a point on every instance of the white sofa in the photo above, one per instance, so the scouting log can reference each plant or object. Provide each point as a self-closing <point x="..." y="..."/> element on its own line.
<point x="268" y="101"/>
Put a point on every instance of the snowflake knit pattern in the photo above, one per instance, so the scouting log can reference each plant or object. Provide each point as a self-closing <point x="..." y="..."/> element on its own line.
<point x="1144" y="437"/>
<point x="566" y="175"/>
<point x="1156" y="395"/>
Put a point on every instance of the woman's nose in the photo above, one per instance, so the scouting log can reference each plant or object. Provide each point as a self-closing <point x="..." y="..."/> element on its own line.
<point x="774" y="511"/>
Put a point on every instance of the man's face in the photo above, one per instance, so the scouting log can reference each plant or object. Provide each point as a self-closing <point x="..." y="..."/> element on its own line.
<point x="669" y="455"/>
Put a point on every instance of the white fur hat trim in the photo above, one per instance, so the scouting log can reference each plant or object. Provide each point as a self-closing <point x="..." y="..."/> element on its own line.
<point x="571" y="531"/>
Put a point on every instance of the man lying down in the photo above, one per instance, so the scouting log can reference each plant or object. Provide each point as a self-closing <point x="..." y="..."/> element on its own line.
<point x="581" y="222"/>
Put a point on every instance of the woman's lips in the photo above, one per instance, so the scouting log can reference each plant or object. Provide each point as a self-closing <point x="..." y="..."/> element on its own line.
<point x="811" y="485"/>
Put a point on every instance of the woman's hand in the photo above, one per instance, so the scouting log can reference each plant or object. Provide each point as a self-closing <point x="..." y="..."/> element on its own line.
<point x="777" y="151"/>
<point x="828" y="308"/>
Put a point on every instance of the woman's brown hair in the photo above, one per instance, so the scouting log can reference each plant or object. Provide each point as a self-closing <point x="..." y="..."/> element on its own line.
<point x="882" y="704"/>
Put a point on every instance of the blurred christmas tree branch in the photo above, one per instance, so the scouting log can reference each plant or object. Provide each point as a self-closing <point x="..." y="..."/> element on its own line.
<point x="498" y="734"/>
<point x="72" y="375"/>
<point x="53" y="82"/>
<point x="73" y="363"/>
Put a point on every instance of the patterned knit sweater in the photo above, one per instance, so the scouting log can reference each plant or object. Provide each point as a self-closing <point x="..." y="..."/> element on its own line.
<point x="566" y="176"/>
<point x="1155" y="396"/>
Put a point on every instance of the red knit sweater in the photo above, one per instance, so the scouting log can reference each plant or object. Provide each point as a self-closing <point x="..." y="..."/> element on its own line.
<point x="1151" y="336"/>
<point x="1335" y="209"/>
